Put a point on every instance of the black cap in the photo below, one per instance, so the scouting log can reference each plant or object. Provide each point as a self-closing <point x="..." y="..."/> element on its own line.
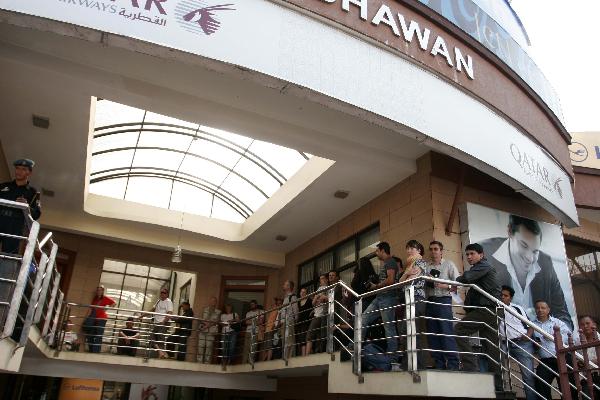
<point x="24" y="162"/>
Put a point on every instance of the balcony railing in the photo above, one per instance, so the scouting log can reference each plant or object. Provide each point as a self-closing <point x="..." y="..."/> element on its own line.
<point x="343" y="323"/>
<point x="29" y="280"/>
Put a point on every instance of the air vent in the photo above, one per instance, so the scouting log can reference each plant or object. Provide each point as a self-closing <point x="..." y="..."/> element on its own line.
<point x="40" y="122"/>
<point x="341" y="194"/>
<point x="47" y="192"/>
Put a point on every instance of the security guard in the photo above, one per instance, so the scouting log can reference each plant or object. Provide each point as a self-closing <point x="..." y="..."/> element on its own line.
<point x="12" y="220"/>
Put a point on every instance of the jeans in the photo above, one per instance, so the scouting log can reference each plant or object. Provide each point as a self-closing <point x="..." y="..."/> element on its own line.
<point x="388" y="317"/>
<point x="443" y="311"/>
<point x="95" y="341"/>
<point x="474" y="322"/>
<point x="229" y="341"/>
<point x="522" y="352"/>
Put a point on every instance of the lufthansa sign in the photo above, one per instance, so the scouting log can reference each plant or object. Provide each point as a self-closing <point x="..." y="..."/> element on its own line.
<point x="585" y="149"/>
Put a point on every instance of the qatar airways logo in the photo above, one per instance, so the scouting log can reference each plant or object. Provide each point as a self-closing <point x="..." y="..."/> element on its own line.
<point x="201" y="17"/>
<point x="532" y="167"/>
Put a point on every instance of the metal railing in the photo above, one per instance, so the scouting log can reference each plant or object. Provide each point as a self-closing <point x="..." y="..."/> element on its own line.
<point x="29" y="279"/>
<point x="379" y="330"/>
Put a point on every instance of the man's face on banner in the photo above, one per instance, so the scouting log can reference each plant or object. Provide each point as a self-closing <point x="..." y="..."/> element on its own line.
<point x="524" y="247"/>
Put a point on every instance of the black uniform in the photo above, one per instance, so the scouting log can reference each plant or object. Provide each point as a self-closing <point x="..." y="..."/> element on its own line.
<point x="12" y="220"/>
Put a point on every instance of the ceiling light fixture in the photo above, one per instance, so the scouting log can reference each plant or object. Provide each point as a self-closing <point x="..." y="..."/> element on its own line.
<point x="341" y="194"/>
<point x="177" y="251"/>
<point x="281" y="238"/>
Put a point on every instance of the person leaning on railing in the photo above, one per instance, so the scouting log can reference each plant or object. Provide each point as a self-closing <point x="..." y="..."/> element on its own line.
<point x="384" y="301"/>
<point x="482" y="317"/>
<point x="128" y="339"/>
<point x="439" y="309"/>
<point x="588" y="333"/>
<point x="163" y="306"/>
<point x="209" y="328"/>
<point x="12" y="220"/>
<point x="415" y="267"/>
<point x="271" y="334"/>
<point x="286" y="319"/>
<point x="184" y="329"/>
<point x="315" y="332"/>
<point x="516" y="340"/>
<point x="547" y="369"/>
<point x="94" y="324"/>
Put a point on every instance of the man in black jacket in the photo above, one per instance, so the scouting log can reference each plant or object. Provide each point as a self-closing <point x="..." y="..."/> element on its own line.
<point x="12" y="220"/>
<point x="483" y="318"/>
<point x="521" y="265"/>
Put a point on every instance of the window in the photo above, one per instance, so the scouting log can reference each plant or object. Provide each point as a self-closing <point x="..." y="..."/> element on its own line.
<point x="133" y="286"/>
<point x="342" y="258"/>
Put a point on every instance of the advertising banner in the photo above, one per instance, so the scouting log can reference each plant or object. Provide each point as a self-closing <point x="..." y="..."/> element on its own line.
<point x="585" y="149"/>
<point x="80" y="389"/>
<point x="148" y="391"/>
<point x="528" y="255"/>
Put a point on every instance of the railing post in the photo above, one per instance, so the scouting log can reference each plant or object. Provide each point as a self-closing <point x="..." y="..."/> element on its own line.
<point x="59" y="333"/>
<point x="330" y="319"/>
<point x="563" y="372"/>
<point x="33" y="299"/>
<point x="15" y="302"/>
<point x="46" y="283"/>
<point x="48" y="320"/>
<point x="504" y="360"/>
<point x="55" y="320"/>
<point x="357" y="366"/>
<point x="253" y="337"/>
<point x="411" y="328"/>
<point x="284" y="339"/>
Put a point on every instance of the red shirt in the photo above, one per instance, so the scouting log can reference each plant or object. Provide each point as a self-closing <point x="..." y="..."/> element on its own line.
<point x="103" y="302"/>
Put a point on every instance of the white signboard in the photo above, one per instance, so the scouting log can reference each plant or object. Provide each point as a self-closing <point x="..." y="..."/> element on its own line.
<point x="266" y="37"/>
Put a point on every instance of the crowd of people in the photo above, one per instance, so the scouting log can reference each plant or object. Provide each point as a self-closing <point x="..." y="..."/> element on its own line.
<point x="297" y="322"/>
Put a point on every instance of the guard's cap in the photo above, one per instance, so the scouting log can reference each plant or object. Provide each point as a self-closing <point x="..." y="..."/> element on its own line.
<point x="24" y="162"/>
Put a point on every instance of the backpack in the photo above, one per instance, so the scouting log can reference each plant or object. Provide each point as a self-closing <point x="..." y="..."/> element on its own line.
<point x="372" y="361"/>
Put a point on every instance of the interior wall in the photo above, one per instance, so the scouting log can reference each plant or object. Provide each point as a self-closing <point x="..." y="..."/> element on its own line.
<point x="91" y="252"/>
<point x="5" y="172"/>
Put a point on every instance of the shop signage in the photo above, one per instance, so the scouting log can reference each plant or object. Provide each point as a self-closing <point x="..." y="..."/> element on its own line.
<point x="389" y="18"/>
<point x="80" y="389"/>
<point x="585" y="149"/>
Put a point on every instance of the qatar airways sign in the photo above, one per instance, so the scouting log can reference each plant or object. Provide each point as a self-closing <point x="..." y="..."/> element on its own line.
<point x="409" y="31"/>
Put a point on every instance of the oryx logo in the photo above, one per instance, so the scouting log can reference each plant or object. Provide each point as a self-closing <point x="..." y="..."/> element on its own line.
<point x="200" y="16"/>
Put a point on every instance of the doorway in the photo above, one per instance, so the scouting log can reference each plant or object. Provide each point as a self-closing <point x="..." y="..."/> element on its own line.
<point x="239" y="291"/>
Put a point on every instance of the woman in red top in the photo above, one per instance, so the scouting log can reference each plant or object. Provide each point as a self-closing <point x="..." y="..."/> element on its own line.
<point x="97" y="319"/>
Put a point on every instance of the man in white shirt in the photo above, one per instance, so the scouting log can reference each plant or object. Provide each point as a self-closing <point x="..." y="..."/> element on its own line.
<point x="548" y="368"/>
<point x="253" y="312"/>
<point x="209" y="328"/>
<point x="516" y="340"/>
<point x="164" y="305"/>
<point x="286" y="319"/>
<point x="522" y="265"/>
<point x="439" y="308"/>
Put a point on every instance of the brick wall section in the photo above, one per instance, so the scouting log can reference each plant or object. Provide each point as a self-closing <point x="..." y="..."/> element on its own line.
<point x="404" y="212"/>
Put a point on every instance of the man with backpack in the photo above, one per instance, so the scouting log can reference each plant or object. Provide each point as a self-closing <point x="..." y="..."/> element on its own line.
<point x="384" y="302"/>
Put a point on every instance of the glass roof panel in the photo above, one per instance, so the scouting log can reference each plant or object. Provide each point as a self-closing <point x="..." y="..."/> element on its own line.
<point x="287" y="161"/>
<point x="164" y="119"/>
<point x="257" y="175"/>
<point x="244" y="191"/>
<point x="191" y="200"/>
<point x="110" y="113"/>
<point x="222" y="210"/>
<point x="216" y="152"/>
<point x="204" y="169"/>
<point x="164" y="139"/>
<point x="184" y="166"/>
<point x="118" y="140"/>
<point x="150" y="191"/>
<point x="166" y="159"/>
<point x="113" y="159"/>
<point x="114" y="188"/>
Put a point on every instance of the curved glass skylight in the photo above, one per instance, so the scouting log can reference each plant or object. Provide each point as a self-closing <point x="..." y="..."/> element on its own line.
<point x="148" y="158"/>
